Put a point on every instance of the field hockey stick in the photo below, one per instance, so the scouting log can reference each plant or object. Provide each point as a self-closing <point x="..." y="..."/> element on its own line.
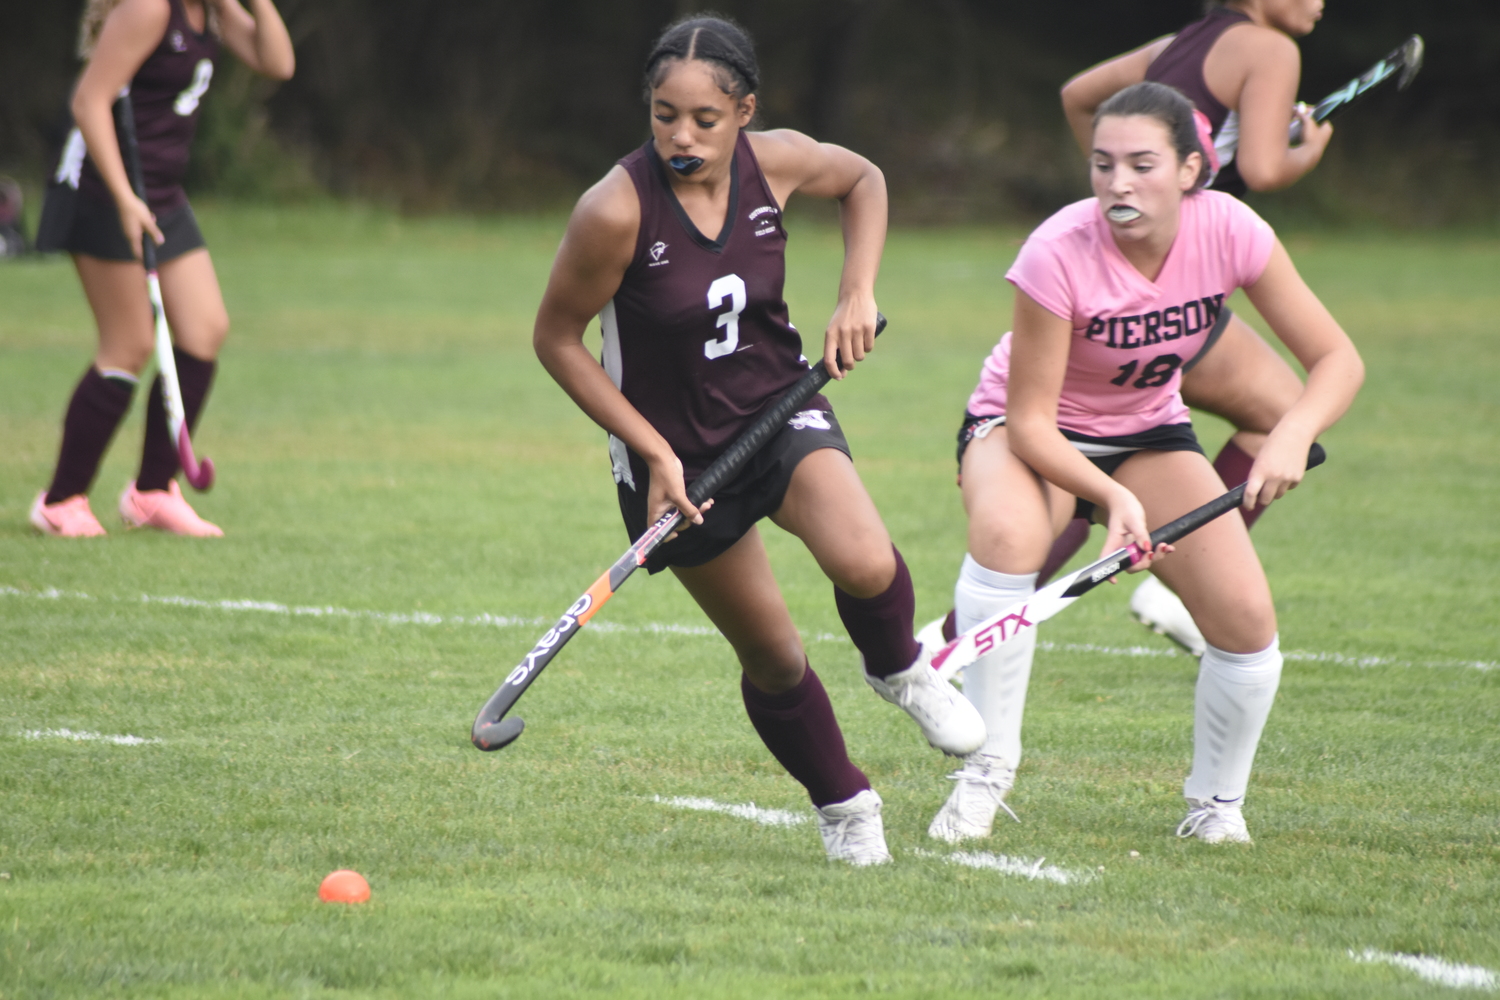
<point x="1053" y="598"/>
<point x="1406" y="60"/>
<point x="492" y="730"/>
<point x="200" y="475"/>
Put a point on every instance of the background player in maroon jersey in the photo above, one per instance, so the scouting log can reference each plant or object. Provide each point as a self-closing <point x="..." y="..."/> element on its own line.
<point x="165" y="51"/>
<point x="696" y="343"/>
<point x="1240" y="66"/>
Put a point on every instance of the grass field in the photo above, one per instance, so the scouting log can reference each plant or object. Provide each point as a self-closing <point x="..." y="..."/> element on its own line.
<point x="394" y="465"/>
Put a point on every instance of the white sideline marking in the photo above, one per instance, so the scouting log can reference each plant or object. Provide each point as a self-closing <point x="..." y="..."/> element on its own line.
<point x="68" y="734"/>
<point x="1435" y="970"/>
<point x="749" y="810"/>
<point x="672" y="628"/>
<point x="1007" y="865"/>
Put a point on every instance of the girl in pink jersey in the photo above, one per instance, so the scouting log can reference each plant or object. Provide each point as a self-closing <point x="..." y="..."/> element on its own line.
<point x="1080" y="409"/>
<point x="164" y="51"/>
<point x="679" y="251"/>
<point x="1240" y="66"/>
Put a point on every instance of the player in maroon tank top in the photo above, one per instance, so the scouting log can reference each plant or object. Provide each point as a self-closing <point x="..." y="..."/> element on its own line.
<point x="164" y="50"/>
<point x="679" y="251"/>
<point x="1240" y="66"/>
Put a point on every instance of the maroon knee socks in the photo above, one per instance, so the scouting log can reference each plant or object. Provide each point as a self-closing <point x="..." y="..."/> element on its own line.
<point x="799" y="729"/>
<point x="98" y="405"/>
<point x="159" y="454"/>
<point x="881" y="626"/>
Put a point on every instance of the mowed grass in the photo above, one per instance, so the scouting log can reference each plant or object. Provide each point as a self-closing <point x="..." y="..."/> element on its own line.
<point x="387" y="443"/>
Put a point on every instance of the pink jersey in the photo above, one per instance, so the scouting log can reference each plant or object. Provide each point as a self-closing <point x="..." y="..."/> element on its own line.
<point x="1131" y="336"/>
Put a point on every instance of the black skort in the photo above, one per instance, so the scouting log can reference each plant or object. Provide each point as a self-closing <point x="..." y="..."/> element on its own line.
<point x="755" y="493"/>
<point x="92" y="227"/>
<point x="1167" y="437"/>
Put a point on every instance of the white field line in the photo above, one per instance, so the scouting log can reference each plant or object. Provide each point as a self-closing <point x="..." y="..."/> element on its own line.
<point x="68" y="734"/>
<point x="1435" y="970"/>
<point x="748" y="810"/>
<point x="1006" y="865"/>
<point x="672" y="628"/>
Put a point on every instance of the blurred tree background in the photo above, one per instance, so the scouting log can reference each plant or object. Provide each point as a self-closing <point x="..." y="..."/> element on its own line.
<point x="485" y="105"/>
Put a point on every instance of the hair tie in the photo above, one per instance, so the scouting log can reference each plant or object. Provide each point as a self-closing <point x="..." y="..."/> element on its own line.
<point x="1206" y="140"/>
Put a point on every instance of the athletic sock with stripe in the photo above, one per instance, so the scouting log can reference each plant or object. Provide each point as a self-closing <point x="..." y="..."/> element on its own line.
<point x="98" y="404"/>
<point x="1230" y="708"/>
<point x="881" y="626"/>
<point x="799" y="728"/>
<point x="996" y="682"/>
<point x="159" y="461"/>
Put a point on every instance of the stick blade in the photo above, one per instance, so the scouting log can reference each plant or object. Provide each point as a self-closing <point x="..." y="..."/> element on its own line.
<point x="1412" y="54"/>
<point x="490" y="736"/>
<point x="200" y="475"/>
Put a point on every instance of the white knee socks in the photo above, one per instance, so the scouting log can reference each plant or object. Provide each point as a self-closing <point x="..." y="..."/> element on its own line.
<point x="996" y="682"/>
<point x="1234" y="696"/>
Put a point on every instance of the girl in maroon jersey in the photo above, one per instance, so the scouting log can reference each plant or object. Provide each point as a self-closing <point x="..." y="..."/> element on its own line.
<point x="164" y="50"/>
<point x="1240" y="66"/>
<point x="680" y="252"/>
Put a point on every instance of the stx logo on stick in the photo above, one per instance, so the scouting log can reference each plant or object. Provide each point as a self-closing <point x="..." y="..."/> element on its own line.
<point x="986" y="640"/>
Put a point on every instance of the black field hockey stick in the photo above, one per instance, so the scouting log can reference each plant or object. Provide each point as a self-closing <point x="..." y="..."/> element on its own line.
<point x="1056" y="596"/>
<point x="492" y="730"/>
<point x="1405" y="60"/>
<point x="201" y="476"/>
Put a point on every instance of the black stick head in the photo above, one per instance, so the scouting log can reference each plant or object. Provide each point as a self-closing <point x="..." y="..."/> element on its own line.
<point x="685" y="165"/>
<point x="1411" y="59"/>
<point x="489" y="736"/>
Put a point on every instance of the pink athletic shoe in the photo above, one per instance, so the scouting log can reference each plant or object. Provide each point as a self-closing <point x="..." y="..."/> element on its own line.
<point x="70" y="518"/>
<point x="165" y="509"/>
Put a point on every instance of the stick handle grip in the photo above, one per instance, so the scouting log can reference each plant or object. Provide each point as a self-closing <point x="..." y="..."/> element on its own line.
<point x="130" y="152"/>
<point x="1217" y="507"/>
<point x="727" y="465"/>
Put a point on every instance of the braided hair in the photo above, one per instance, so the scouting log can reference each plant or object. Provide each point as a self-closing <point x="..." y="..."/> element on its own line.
<point x="712" y="39"/>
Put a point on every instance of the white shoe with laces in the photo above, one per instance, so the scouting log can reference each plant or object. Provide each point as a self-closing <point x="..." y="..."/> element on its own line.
<point x="853" y="830"/>
<point x="1163" y="612"/>
<point x="949" y="721"/>
<point x="1215" y="822"/>
<point x="978" y="794"/>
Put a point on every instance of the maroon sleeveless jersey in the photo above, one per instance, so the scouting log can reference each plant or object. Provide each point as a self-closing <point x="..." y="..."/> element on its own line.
<point x="167" y="93"/>
<point x="1180" y="65"/>
<point x="697" y="336"/>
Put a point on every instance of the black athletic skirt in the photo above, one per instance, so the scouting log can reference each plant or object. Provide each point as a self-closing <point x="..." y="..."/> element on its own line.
<point x="90" y="226"/>
<point x="755" y="493"/>
<point x="1167" y="437"/>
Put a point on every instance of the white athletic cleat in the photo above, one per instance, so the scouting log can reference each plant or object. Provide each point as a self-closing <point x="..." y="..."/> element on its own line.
<point x="948" y="720"/>
<point x="932" y="639"/>
<point x="1163" y="612"/>
<point x="853" y="830"/>
<point x="978" y="794"/>
<point x="1215" y="822"/>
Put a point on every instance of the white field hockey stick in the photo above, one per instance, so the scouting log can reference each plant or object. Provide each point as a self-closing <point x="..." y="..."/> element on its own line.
<point x="200" y="475"/>
<point x="1028" y="614"/>
<point x="1405" y="60"/>
<point x="492" y="729"/>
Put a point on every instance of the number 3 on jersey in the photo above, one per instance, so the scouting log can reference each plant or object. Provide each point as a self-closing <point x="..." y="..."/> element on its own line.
<point x="731" y="287"/>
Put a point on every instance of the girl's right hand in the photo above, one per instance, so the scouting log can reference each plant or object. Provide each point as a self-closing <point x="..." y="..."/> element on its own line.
<point x="1127" y="524"/>
<point x="667" y="491"/>
<point x="135" y="218"/>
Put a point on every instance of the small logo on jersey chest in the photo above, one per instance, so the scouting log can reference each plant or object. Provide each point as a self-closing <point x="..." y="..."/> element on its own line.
<point x="176" y="41"/>
<point x="658" y="249"/>
<point x="767" y="225"/>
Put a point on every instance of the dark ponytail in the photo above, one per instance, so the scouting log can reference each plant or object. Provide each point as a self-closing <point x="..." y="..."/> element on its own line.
<point x="1169" y="106"/>
<point x="713" y="39"/>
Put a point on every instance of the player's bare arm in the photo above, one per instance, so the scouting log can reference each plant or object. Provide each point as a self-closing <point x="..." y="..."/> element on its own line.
<point x="1082" y="95"/>
<point x="1334" y="375"/>
<point x="257" y="36"/>
<point x="1255" y="70"/>
<point x="132" y="32"/>
<point x="595" y="252"/>
<point x="795" y="163"/>
<point x="1040" y="343"/>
